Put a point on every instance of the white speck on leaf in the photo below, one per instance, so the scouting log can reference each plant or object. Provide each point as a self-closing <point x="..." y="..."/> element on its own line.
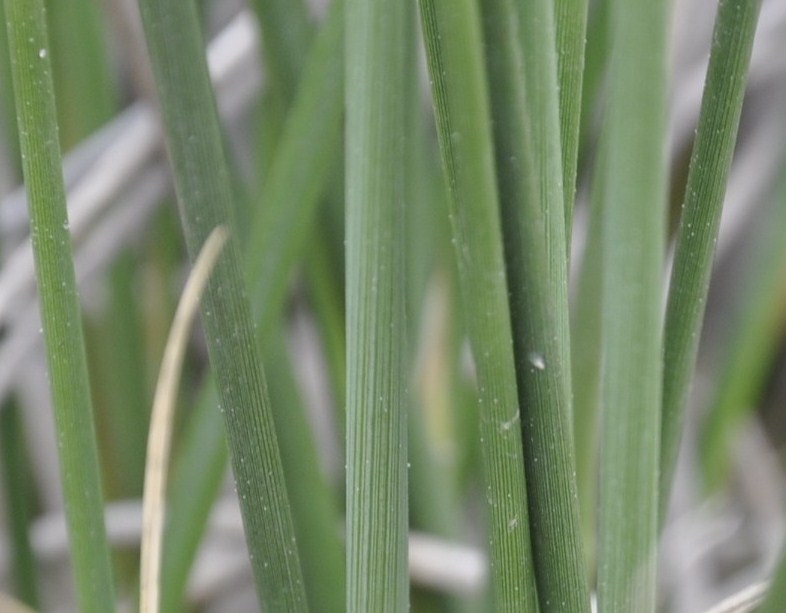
<point x="537" y="360"/>
<point x="507" y="425"/>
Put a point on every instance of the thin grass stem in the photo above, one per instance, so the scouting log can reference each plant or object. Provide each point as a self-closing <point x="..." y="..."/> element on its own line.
<point x="298" y="174"/>
<point x="17" y="498"/>
<point x="570" y="20"/>
<point x="296" y="179"/>
<point x="197" y="475"/>
<point x="315" y="505"/>
<point x="751" y="346"/>
<point x="121" y="352"/>
<point x="452" y="33"/>
<point x="162" y="420"/>
<point x="586" y="361"/>
<point x="633" y="253"/>
<point x="522" y="75"/>
<point x="59" y="303"/>
<point x="205" y="198"/>
<point x="719" y="119"/>
<point x="378" y="35"/>
<point x="8" y="106"/>
<point x="80" y="69"/>
<point x="287" y="32"/>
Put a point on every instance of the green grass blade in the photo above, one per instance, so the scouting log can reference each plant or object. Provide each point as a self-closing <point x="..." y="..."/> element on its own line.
<point x="287" y="32"/>
<point x="8" y="118"/>
<point x="596" y="58"/>
<point x="17" y="499"/>
<point x="634" y="237"/>
<point x="199" y="471"/>
<point x="755" y="330"/>
<point x="713" y="148"/>
<point x="284" y="233"/>
<point x="326" y="296"/>
<point x="314" y="504"/>
<point x="80" y="68"/>
<point x="570" y="18"/>
<point x="205" y="198"/>
<point x="314" y="135"/>
<point x="455" y="56"/>
<point x="433" y="504"/>
<point x="377" y="36"/>
<point x="121" y="361"/>
<point x="196" y="479"/>
<point x="586" y="360"/>
<point x="526" y="130"/>
<point x="298" y="174"/>
<point x="59" y="303"/>
<point x="297" y="179"/>
<point x="540" y="99"/>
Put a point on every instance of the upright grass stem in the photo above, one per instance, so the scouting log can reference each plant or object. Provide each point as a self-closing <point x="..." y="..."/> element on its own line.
<point x="586" y="360"/>
<point x="713" y="148"/>
<point x="296" y="179"/>
<point x="541" y="89"/>
<point x="59" y="303"/>
<point x="85" y="92"/>
<point x="454" y="50"/>
<point x="596" y="59"/>
<point x="7" y="105"/>
<point x="378" y="34"/>
<point x="205" y="198"/>
<point x="314" y="128"/>
<point x="298" y="174"/>
<point x="526" y="130"/>
<point x="527" y="142"/>
<point x="128" y="394"/>
<point x="196" y="478"/>
<point x="570" y="18"/>
<point x="633" y="251"/>
<point x="287" y="33"/>
<point x="315" y="508"/>
<point x="754" y="331"/>
<point x="18" y="498"/>
<point x="326" y="295"/>
<point x="433" y="502"/>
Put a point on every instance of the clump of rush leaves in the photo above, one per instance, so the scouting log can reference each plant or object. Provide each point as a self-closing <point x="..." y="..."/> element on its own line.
<point x="421" y="235"/>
